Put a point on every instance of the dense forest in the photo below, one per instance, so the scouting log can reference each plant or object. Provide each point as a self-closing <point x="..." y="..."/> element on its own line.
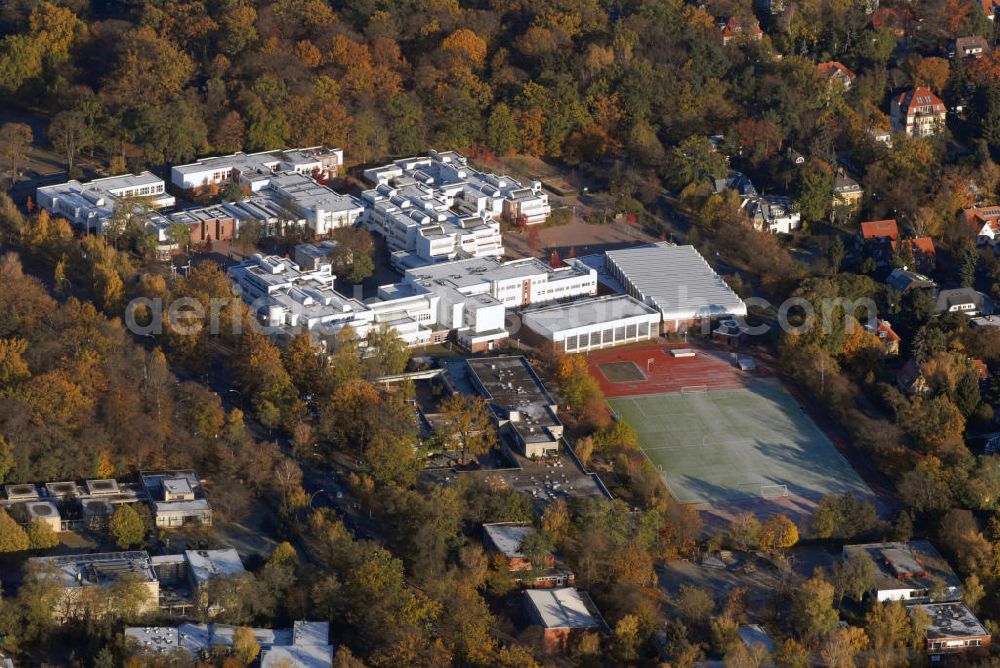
<point x="591" y="84"/>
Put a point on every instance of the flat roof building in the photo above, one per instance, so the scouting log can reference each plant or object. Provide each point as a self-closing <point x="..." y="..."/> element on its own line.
<point x="323" y="209"/>
<point x="90" y="206"/>
<point x="77" y="572"/>
<point x="176" y="498"/>
<point x="305" y="645"/>
<point x="562" y="614"/>
<point x="595" y="323"/>
<point x="255" y="170"/>
<point x="450" y="176"/>
<point x="908" y="572"/>
<point x="522" y="407"/>
<point x="207" y="564"/>
<point x="676" y="280"/>
<point x="953" y="629"/>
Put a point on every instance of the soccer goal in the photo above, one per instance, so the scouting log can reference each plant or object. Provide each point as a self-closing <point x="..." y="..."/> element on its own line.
<point x="694" y="389"/>
<point x="773" y="491"/>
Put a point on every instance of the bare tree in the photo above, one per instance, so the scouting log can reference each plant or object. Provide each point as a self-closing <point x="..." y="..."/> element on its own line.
<point x="14" y="140"/>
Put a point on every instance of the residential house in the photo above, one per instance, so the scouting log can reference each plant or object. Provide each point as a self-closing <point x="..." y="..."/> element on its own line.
<point x="918" y="113"/>
<point x="837" y="74"/>
<point x="877" y="238"/>
<point x="962" y="300"/>
<point x="984" y="222"/>
<point x="889" y="338"/>
<point x="911" y="572"/>
<point x="737" y="181"/>
<point x="881" y="136"/>
<point x="924" y="253"/>
<point x="734" y="28"/>
<point x="795" y="157"/>
<point x="505" y="539"/>
<point x="774" y="214"/>
<point x="564" y="615"/>
<point x="846" y="191"/>
<point x="972" y="47"/>
<point x="952" y="628"/>
<point x="902" y="280"/>
<point x="910" y="379"/>
<point x="734" y="180"/>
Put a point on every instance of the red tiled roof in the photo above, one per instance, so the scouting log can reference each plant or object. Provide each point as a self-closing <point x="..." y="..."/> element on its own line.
<point x="879" y="229"/>
<point x="886" y="332"/>
<point x="921" y="96"/>
<point x="833" y="67"/>
<point x="978" y="216"/>
<point x="924" y="246"/>
<point x="734" y="27"/>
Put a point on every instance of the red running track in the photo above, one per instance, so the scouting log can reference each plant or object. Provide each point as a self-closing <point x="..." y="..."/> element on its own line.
<point x="715" y="370"/>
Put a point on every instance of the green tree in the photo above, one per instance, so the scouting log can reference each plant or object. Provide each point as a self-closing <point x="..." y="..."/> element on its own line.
<point x="537" y="547"/>
<point x="501" y="130"/>
<point x="815" y="192"/>
<point x="836" y="253"/>
<point x="968" y="260"/>
<point x="385" y="353"/>
<point x="127" y="527"/>
<point x="12" y="537"/>
<point x="363" y="268"/>
<point x="696" y="159"/>
<point x="855" y="575"/>
<point x="407" y="128"/>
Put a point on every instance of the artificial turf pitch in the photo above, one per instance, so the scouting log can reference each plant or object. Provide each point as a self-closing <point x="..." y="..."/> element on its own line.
<point x="729" y="445"/>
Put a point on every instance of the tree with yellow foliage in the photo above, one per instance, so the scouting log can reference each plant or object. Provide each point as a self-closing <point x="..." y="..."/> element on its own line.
<point x="778" y="533"/>
<point x="13" y="368"/>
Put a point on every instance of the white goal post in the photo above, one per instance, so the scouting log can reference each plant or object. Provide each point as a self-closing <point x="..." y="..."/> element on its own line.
<point x="694" y="389"/>
<point x="773" y="491"/>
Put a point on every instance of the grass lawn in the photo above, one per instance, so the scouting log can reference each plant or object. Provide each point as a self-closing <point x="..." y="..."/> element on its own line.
<point x="734" y="444"/>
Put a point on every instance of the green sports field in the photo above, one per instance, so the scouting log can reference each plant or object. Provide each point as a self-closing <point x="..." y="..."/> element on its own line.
<point x="729" y="445"/>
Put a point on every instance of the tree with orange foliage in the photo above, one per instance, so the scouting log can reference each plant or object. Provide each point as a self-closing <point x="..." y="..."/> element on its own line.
<point x="469" y="46"/>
